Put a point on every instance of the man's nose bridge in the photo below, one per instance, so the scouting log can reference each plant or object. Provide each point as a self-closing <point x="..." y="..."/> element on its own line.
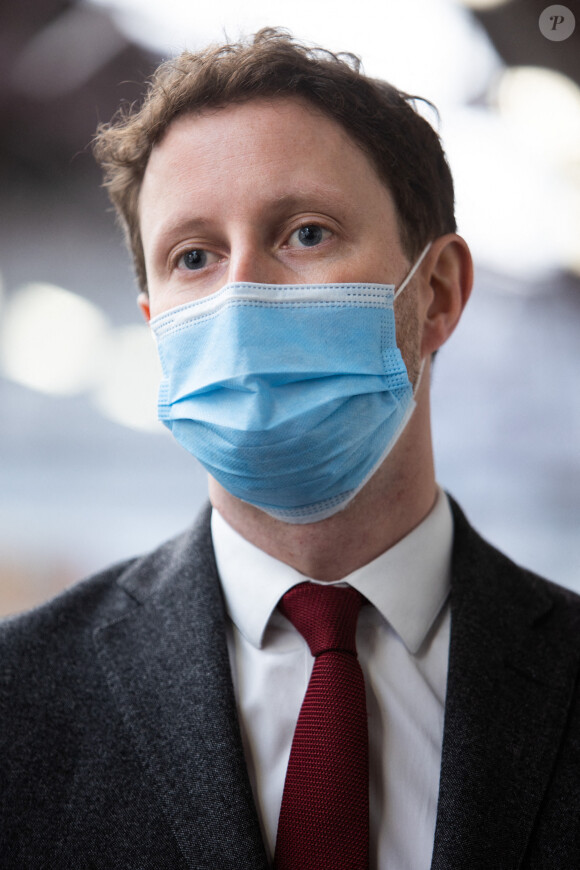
<point x="251" y="261"/>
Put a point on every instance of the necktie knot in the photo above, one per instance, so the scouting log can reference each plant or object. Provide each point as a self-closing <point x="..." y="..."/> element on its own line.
<point x="325" y="616"/>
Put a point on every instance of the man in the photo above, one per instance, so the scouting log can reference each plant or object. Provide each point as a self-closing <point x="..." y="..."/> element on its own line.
<point x="292" y="227"/>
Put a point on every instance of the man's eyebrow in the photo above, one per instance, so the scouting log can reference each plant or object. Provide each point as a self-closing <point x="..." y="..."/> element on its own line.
<point x="181" y="224"/>
<point x="313" y="197"/>
<point x="332" y="201"/>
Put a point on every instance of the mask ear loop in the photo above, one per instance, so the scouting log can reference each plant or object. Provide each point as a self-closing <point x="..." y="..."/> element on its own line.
<point x="413" y="270"/>
<point x="419" y="376"/>
<point x="398" y="293"/>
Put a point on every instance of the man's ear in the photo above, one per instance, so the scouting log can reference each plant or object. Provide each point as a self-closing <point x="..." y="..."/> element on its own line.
<point x="143" y="303"/>
<point x="446" y="286"/>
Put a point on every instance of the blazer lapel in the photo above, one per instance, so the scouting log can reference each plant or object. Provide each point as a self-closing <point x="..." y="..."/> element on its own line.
<point x="166" y="661"/>
<point x="510" y="683"/>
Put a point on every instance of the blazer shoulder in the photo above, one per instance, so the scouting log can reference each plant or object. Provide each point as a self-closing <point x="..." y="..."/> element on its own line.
<point x="485" y="579"/>
<point x="57" y="637"/>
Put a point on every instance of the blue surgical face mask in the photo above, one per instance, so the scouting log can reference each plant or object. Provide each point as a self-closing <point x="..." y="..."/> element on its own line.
<point x="291" y="396"/>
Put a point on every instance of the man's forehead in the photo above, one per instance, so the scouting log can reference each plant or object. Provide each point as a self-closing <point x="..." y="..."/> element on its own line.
<point x="294" y="118"/>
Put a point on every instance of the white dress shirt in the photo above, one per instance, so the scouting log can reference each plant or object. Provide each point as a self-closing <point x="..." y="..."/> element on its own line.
<point x="402" y="643"/>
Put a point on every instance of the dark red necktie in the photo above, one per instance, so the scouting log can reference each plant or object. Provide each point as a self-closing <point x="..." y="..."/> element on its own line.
<point x="324" y="819"/>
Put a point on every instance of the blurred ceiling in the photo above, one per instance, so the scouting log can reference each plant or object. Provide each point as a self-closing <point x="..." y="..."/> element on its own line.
<point x="513" y="29"/>
<point x="64" y="67"/>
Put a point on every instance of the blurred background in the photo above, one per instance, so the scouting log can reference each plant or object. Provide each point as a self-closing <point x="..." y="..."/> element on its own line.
<point x="87" y="475"/>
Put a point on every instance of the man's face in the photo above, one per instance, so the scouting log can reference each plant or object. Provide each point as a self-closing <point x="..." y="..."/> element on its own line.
<point x="269" y="191"/>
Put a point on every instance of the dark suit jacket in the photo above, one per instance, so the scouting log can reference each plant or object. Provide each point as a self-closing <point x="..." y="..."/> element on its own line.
<point x="120" y="747"/>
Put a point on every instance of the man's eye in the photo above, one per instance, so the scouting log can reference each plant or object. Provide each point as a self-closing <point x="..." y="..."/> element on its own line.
<point x="308" y="236"/>
<point x="195" y="259"/>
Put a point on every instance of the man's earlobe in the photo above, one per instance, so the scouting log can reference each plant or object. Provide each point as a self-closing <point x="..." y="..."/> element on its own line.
<point x="143" y="303"/>
<point x="449" y="281"/>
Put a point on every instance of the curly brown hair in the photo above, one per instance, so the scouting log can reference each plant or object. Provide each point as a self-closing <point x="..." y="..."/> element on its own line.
<point x="383" y="121"/>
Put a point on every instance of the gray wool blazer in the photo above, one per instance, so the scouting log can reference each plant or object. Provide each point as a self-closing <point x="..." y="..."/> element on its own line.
<point x="120" y="746"/>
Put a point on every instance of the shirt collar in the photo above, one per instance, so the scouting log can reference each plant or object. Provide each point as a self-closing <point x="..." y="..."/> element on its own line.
<point x="408" y="583"/>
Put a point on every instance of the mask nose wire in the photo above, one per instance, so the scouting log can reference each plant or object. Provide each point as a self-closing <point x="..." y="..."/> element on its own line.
<point x="413" y="270"/>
